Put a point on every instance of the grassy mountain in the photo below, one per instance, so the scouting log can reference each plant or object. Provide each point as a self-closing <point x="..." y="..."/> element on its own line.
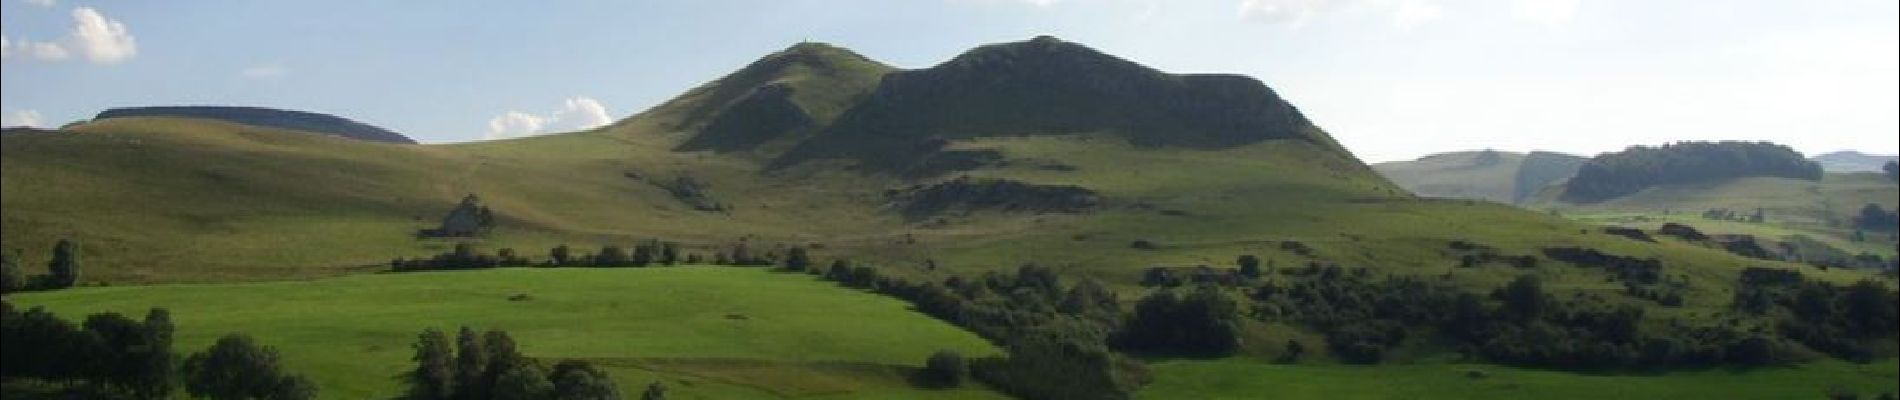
<point x="1853" y="161"/>
<point x="1503" y="177"/>
<point x="962" y="168"/>
<point x="269" y="118"/>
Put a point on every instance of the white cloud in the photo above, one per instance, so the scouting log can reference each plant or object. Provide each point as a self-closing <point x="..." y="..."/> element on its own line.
<point x="1405" y="14"/>
<point x="99" y="39"/>
<point x="264" y="72"/>
<point x="1412" y="13"/>
<point x="102" y="40"/>
<point x="41" y="3"/>
<point x="514" y="124"/>
<point x="22" y="118"/>
<point x="1551" y="13"/>
<point x="577" y="113"/>
<point x="1293" y="13"/>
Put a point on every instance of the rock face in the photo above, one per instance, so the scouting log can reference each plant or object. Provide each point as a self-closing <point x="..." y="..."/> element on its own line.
<point x="271" y="118"/>
<point x="1048" y="86"/>
<point x="469" y="218"/>
<point x="966" y="194"/>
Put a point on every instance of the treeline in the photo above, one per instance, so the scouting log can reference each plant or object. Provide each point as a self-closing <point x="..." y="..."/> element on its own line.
<point x="1611" y="175"/>
<point x="112" y="356"/>
<point x="1057" y="337"/>
<point x="1847" y="322"/>
<point x="653" y="252"/>
<point x="1365" y="319"/>
<point x="489" y="365"/>
<point x="62" y="271"/>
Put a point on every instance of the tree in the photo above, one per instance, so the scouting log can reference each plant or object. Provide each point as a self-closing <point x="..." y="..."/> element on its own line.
<point x="798" y="260"/>
<point x="1524" y="298"/>
<point x="434" y="376"/>
<point x="471" y="363"/>
<point x="114" y="349"/>
<point x="155" y="367"/>
<point x="502" y="356"/>
<point x="1892" y="169"/>
<point x="945" y="369"/>
<point x="236" y="368"/>
<point x="1294" y="350"/>
<point x="560" y="254"/>
<point x="521" y="379"/>
<point x="643" y="254"/>
<point x="670" y="253"/>
<point x="655" y="391"/>
<point x="611" y="256"/>
<point x="1249" y="265"/>
<point x="11" y="279"/>
<point x="840" y="271"/>
<point x="579" y="380"/>
<point x="65" y="265"/>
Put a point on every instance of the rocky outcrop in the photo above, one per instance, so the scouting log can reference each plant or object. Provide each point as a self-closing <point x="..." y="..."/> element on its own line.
<point x="965" y="194"/>
<point x="469" y="218"/>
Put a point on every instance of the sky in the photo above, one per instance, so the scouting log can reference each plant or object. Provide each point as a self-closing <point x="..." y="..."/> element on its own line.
<point x="1390" y="79"/>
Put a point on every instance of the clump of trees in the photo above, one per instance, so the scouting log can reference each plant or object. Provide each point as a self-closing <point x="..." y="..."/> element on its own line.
<point x="1617" y="174"/>
<point x="109" y="353"/>
<point x="1057" y="337"/>
<point x="62" y="271"/>
<point x="1874" y="218"/>
<point x="489" y="366"/>
<point x="1846" y="322"/>
<point x="465" y="256"/>
<point x="1205" y="323"/>
<point x="237" y="368"/>
<point x="1521" y="323"/>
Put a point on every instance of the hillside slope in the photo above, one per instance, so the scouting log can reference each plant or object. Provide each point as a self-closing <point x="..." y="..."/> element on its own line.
<point x="169" y="200"/>
<point x="268" y="118"/>
<point x="1853" y="161"/>
<point x="1497" y="176"/>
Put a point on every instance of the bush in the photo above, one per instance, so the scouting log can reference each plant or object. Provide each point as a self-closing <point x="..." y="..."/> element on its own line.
<point x="945" y="369"/>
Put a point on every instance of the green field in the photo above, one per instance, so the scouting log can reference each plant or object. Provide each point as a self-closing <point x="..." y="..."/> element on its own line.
<point x="707" y="332"/>
<point x="1243" y="379"/>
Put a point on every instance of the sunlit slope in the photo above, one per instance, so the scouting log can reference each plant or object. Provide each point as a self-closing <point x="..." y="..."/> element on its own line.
<point x="705" y="332"/>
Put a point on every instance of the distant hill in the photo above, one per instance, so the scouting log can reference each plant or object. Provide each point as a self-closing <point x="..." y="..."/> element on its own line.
<point x="1853" y="161"/>
<point x="1498" y="176"/>
<point x="1611" y="175"/>
<point x="270" y="118"/>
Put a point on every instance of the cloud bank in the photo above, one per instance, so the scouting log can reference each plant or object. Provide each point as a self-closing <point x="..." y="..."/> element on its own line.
<point x="98" y="39"/>
<point x="576" y="113"/>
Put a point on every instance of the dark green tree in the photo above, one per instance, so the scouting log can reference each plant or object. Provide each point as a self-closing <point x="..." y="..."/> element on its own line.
<point x="578" y="380"/>
<point x="611" y="256"/>
<point x="669" y="253"/>
<point x="1249" y="265"/>
<point x="945" y="369"/>
<point x="521" y="379"/>
<point x="11" y="278"/>
<point x="1524" y="298"/>
<point x="645" y="253"/>
<point x="434" y="376"/>
<point x="155" y="360"/>
<point x="654" y="391"/>
<point x="64" y="268"/>
<point x="840" y="271"/>
<point x="471" y="363"/>
<point x="1892" y="169"/>
<point x="560" y="255"/>
<point x="236" y="368"/>
<point x="798" y="260"/>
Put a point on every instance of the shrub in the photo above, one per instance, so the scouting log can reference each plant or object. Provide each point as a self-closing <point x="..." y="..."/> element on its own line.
<point x="945" y="369"/>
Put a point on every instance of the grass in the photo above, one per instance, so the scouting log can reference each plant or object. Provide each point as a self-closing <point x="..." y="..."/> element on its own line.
<point x="707" y="332"/>
<point x="1245" y="379"/>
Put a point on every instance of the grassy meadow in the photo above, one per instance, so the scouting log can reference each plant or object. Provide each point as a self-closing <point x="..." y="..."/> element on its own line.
<point x="1243" y="379"/>
<point x="706" y="332"/>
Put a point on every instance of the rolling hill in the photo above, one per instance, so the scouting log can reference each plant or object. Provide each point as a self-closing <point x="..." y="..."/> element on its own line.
<point x="1503" y="177"/>
<point x="962" y="168"/>
<point x="270" y="118"/>
<point x="1853" y="161"/>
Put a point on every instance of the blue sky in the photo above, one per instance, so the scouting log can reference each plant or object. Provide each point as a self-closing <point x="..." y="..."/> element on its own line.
<point x="1391" y="79"/>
